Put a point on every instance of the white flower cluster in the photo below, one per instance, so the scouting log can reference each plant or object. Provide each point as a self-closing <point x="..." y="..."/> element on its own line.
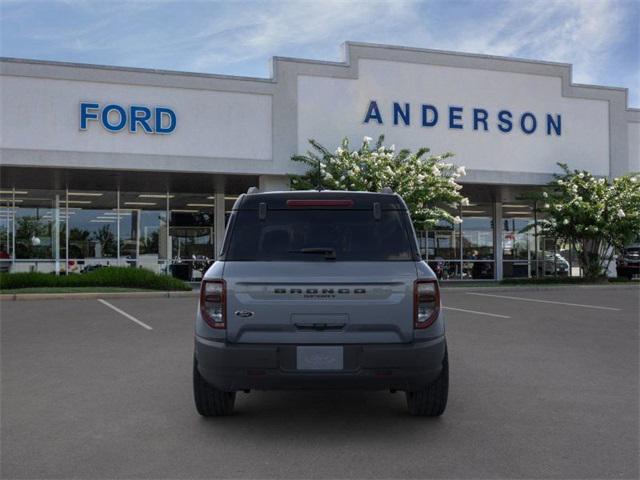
<point x="423" y="181"/>
<point x="594" y="214"/>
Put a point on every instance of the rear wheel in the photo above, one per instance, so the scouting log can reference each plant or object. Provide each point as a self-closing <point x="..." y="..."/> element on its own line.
<point x="432" y="401"/>
<point x="211" y="402"/>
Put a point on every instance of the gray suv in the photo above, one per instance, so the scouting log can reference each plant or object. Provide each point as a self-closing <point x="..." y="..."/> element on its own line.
<point x="320" y="290"/>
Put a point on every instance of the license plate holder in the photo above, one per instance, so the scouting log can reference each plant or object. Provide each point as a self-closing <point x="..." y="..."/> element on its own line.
<point x="316" y="358"/>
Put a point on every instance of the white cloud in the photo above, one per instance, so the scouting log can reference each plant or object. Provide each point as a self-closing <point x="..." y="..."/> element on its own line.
<point x="259" y="33"/>
<point x="581" y="32"/>
<point x="573" y="31"/>
<point x="239" y="37"/>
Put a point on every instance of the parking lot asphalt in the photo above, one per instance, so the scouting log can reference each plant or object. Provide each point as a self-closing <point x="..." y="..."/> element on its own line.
<point x="544" y="384"/>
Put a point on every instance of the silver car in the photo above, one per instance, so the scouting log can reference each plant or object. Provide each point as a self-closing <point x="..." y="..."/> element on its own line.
<point x="320" y="290"/>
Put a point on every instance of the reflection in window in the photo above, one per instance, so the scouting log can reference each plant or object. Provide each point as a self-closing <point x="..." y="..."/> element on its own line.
<point x="144" y="229"/>
<point x="518" y="240"/>
<point x="6" y="230"/>
<point x="192" y="227"/>
<point x="37" y="220"/>
<point x="477" y="232"/>
<point x="92" y="228"/>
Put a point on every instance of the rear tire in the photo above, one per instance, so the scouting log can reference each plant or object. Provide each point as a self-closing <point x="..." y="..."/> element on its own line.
<point x="211" y="402"/>
<point x="432" y="401"/>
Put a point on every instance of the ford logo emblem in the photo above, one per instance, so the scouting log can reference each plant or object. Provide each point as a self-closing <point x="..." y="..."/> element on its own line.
<point x="243" y="313"/>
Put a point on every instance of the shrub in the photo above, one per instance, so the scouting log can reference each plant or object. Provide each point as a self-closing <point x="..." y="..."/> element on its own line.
<point x="125" y="277"/>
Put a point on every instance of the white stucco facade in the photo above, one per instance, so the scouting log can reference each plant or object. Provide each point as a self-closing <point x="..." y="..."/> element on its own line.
<point x="170" y="145"/>
<point x="253" y="126"/>
<point x="240" y="128"/>
<point x="330" y="107"/>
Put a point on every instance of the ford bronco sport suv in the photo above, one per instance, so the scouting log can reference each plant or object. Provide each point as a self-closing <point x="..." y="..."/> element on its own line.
<point x="319" y="290"/>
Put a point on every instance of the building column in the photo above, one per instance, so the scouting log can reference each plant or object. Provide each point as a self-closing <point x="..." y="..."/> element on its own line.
<point x="56" y="233"/>
<point x="270" y="183"/>
<point x="498" y="240"/>
<point x="218" y="218"/>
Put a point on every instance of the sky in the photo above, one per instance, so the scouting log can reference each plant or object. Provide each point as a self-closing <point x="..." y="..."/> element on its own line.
<point x="601" y="38"/>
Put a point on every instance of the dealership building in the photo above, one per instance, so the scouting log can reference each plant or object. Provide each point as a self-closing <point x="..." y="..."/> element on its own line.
<point x="103" y="165"/>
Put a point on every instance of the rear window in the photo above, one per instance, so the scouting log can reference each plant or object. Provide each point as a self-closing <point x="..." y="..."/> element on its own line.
<point x="318" y="235"/>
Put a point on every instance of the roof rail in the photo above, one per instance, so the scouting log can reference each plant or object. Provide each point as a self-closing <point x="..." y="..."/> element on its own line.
<point x="253" y="190"/>
<point x="387" y="190"/>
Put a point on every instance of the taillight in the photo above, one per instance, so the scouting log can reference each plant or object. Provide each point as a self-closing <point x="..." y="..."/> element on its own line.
<point x="426" y="303"/>
<point x="213" y="299"/>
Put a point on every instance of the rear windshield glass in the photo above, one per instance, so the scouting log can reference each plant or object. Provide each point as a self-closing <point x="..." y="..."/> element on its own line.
<point x="319" y="235"/>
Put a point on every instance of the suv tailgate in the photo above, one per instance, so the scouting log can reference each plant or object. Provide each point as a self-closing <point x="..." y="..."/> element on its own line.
<point x="321" y="303"/>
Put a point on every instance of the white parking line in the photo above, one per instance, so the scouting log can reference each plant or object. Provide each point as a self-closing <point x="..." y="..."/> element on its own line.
<point x="544" y="301"/>
<point x="477" y="313"/>
<point x="125" y="314"/>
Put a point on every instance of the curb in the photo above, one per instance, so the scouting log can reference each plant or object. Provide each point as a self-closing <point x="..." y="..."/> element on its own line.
<point x="94" y="295"/>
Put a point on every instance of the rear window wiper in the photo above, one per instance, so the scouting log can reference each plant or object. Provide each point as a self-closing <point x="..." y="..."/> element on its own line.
<point x="329" y="253"/>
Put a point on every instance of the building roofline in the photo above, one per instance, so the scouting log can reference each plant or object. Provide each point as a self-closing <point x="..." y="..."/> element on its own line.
<point x="95" y="66"/>
<point x="452" y="52"/>
<point x="346" y="62"/>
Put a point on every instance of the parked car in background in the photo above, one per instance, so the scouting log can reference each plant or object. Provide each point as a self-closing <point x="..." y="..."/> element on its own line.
<point x="554" y="264"/>
<point x="320" y="290"/>
<point x="628" y="262"/>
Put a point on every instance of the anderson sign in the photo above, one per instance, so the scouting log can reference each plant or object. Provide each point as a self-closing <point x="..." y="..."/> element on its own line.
<point x="459" y="118"/>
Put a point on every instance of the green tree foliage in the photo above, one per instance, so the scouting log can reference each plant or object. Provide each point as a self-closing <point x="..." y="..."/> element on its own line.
<point x="424" y="181"/>
<point x="595" y="215"/>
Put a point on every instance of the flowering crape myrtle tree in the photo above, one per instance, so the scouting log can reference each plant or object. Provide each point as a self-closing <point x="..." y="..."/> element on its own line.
<point x="424" y="181"/>
<point x="594" y="215"/>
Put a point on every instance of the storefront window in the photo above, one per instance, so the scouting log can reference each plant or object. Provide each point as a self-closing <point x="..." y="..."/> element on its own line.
<point x="192" y="234"/>
<point x="442" y="250"/>
<point x="39" y="223"/>
<point x="477" y="242"/>
<point x="518" y="241"/>
<point x="144" y="222"/>
<point x="76" y="231"/>
<point x="6" y="230"/>
<point x="92" y="229"/>
<point x="466" y="250"/>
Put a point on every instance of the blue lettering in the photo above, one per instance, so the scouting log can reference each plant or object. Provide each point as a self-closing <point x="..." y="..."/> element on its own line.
<point x="480" y="115"/>
<point x="105" y="118"/>
<point x="399" y="112"/>
<point x="373" y="112"/>
<point x="85" y="114"/>
<point x="557" y="125"/>
<point x="139" y="115"/>
<point x="425" y="116"/>
<point x="162" y="112"/>
<point x="504" y="117"/>
<point x="523" y="123"/>
<point x="455" y="113"/>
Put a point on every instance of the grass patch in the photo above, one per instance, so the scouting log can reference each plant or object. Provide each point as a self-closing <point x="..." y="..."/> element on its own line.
<point x="20" y="291"/>
<point x="117" y="277"/>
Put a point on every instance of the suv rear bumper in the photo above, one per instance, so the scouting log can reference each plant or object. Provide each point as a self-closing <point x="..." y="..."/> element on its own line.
<point x="232" y="367"/>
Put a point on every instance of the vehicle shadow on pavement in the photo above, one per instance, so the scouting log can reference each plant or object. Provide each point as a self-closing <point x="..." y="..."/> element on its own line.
<point x="292" y="412"/>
